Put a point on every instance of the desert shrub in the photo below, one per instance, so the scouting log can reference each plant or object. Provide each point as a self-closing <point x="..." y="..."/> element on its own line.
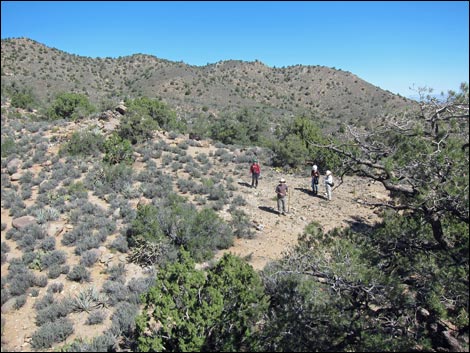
<point x="232" y="290"/>
<point x="117" y="272"/>
<point x="55" y="257"/>
<point x="54" y="271"/>
<point x="20" y="301"/>
<point x="54" y="311"/>
<point x="26" y="240"/>
<point x="177" y="223"/>
<point x="117" y="150"/>
<point x="112" y="178"/>
<point x="120" y="244"/>
<point x="116" y="292"/>
<point x="52" y="332"/>
<point x="70" y="106"/>
<point x="19" y="278"/>
<point x="48" y="185"/>
<point x="65" y="269"/>
<point x="84" y="143"/>
<point x="44" y="302"/>
<point x="48" y="244"/>
<point x="89" y="299"/>
<point x="123" y="319"/>
<point x="96" y="317"/>
<point x="55" y="287"/>
<point x="92" y="241"/>
<point x="140" y="285"/>
<point x="89" y="258"/>
<point x="8" y="147"/>
<point x="77" y="190"/>
<point x="32" y="259"/>
<point x="106" y="342"/>
<point x="5" y="249"/>
<point x="26" y="178"/>
<point x="25" y="192"/>
<point x="23" y="98"/>
<point x="46" y="214"/>
<point x="79" y="274"/>
<point x="40" y="281"/>
<point x="241" y="224"/>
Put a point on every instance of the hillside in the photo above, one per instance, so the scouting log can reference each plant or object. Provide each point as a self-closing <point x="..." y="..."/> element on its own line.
<point x="35" y="177"/>
<point x="328" y="94"/>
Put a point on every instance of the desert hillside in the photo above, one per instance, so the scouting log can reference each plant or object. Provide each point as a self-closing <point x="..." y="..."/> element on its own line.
<point x="35" y="177"/>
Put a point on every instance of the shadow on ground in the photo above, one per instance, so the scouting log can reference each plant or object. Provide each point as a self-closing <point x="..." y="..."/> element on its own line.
<point x="359" y="225"/>
<point x="268" y="209"/>
<point x="310" y="192"/>
<point x="244" y="183"/>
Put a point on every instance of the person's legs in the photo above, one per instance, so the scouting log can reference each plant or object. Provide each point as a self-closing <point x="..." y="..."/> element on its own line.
<point x="328" y="192"/>
<point x="279" y="200"/>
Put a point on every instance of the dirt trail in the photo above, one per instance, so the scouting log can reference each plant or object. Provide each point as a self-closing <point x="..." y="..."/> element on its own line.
<point x="280" y="232"/>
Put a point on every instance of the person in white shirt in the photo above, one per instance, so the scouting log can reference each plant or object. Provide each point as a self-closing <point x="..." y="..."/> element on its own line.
<point x="328" y="184"/>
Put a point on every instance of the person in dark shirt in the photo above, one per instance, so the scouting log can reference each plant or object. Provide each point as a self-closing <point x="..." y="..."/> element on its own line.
<point x="281" y="192"/>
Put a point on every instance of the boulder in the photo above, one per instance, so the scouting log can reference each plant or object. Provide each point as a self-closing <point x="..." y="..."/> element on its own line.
<point x="21" y="222"/>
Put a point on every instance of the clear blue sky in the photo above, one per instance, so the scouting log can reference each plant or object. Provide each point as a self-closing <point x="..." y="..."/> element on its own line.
<point x="391" y="44"/>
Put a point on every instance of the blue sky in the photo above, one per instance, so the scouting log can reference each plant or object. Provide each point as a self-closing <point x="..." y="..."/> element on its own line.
<point x="392" y="44"/>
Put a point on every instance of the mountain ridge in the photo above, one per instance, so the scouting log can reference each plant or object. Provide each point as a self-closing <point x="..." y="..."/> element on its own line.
<point x="213" y="90"/>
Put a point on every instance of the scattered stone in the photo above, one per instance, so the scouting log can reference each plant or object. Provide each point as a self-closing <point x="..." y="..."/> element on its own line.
<point x="14" y="164"/>
<point x="15" y="177"/>
<point x="121" y="109"/>
<point x="9" y="306"/>
<point x="106" y="258"/>
<point x="24" y="221"/>
<point x="55" y="228"/>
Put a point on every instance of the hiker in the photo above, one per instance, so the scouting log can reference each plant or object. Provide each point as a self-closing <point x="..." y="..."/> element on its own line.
<point x="255" y="170"/>
<point x="328" y="184"/>
<point x="315" y="179"/>
<point x="281" y="191"/>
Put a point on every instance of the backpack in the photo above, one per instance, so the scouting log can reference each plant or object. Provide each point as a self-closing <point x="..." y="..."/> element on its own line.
<point x="255" y="168"/>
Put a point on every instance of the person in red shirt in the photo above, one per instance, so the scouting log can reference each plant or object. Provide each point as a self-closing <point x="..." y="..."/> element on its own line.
<point x="255" y="170"/>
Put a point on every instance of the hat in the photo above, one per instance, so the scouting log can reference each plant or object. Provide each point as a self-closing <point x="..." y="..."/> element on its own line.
<point x="314" y="168"/>
<point x="282" y="180"/>
<point x="328" y="172"/>
<point x="255" y="160"/>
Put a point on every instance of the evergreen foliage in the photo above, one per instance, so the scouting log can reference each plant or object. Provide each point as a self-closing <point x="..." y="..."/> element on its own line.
<point x="293" y="145"/>
<point x="144" y="116"/>
<point x="175" y="223"/>
<point x="187" y="311"/>
<point x="117" y="150"/>
<point x="70" y="106"/>
<point x="86" y="143"/>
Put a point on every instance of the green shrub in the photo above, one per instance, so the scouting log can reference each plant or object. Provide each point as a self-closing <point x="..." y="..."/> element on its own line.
<point x="179" y="224"/>
<point x="199" y="313"/>
<point x="144" y="116"/>
<point x="70" y="106"/>
<point x="84" y="143"/>
<point x="8" y="146"/>
<point x="117" y="150"/>
<point x="24" y="100"/>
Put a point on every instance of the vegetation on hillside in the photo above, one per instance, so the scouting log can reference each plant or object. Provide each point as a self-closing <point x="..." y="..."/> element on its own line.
<point x="402" y="285"/>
